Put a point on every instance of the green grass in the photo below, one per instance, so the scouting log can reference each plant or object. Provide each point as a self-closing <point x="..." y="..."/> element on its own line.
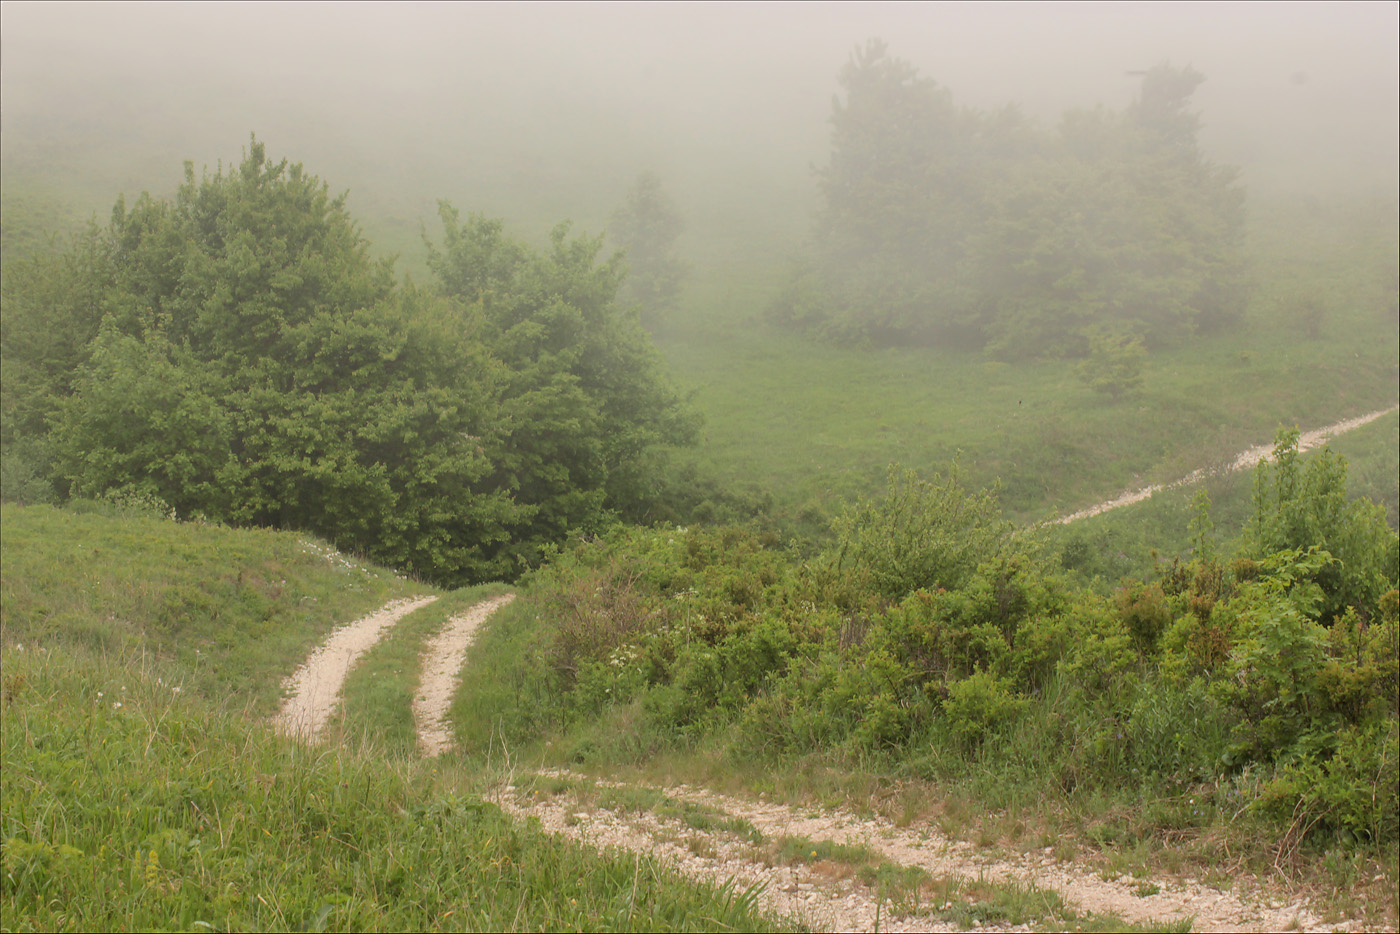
<point x="814" y="423"/>
<point x="143" y="788"/>
<point x="378" y="693"/>
<point x="130" y="807"/>
<point x="231" y="613"/>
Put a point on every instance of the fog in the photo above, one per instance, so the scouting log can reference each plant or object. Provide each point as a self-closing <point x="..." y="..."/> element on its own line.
<point x="539" y="112"/>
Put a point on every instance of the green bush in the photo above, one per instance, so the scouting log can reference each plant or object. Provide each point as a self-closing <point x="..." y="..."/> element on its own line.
<point x="1114" y="366"/>
<point x="923" y="534"/>
<point x="1299" y="508"/>
<point x="1144" y="611"/>
<point x="978" y="705"/>
<point x="1352" y="791"/>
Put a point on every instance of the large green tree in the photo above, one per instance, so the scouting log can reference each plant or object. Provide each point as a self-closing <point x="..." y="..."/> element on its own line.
<point x="254" y="364"/>
<point x="584" y="406"/>
<point x="646" y="227"/>
<point x="237" y="352"/>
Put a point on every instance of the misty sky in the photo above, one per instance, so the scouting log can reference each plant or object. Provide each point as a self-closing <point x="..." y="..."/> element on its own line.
<point x="562" y="104"/>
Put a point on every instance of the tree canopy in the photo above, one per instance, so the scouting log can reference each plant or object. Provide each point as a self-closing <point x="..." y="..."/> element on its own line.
<point x="239" y="354"/>
<point x="945" y="225"/>
<point x="646" y="227"/>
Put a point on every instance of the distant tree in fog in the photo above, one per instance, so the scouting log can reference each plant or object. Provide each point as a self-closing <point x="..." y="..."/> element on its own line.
<point x="646" y="226"/>
<point x="945" y="225"/>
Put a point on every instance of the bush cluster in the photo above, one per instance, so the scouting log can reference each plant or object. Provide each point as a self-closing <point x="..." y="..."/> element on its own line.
<point x="1225" y="673"/>
<point x="237" y="353"/>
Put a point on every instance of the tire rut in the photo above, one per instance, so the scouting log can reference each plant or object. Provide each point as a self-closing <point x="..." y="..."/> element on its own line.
<point x="441" y="666"/>
<point x="315" y="686"/>
<point x="822" y="896"/>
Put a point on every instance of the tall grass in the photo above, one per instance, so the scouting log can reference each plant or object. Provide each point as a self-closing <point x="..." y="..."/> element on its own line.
<point x="143" y="788"/>
<point x="229" y="612"/>
<point x="130" y="806"/>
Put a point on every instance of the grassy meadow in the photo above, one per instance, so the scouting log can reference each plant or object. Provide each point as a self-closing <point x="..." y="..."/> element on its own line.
<point x="141" y="658"/>
<point x="812" y="424"/>
<point x="143" y="788"/>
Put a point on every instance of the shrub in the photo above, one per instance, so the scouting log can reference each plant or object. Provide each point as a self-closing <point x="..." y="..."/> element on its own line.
<point x="979" y="705"/>
<point x="1114" y="366"/>
<point x="1144" y="611"/>
<point x="922" y="534"/>
<point x="1299" y="508"/>
<point x="1353" y="791"/>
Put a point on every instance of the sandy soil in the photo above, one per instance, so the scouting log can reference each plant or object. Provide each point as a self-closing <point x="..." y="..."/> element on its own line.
<point x="441" y="666"/>
<point x="315" y="686"/>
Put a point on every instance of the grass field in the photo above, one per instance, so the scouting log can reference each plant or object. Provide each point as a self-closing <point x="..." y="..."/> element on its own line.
<point x="143" y="788"/>
<point x="814" y="423"/>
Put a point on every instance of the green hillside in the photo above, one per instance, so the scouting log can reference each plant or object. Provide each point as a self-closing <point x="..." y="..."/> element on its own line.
<point x="144" y="790"/>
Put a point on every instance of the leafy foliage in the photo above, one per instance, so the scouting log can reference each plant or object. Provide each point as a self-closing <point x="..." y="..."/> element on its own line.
<point x="583" y="404"/>
<point x="950" y="226"/>
<point x="1114" y="365"/>
<point x="928" y="639"/>
<point x="238" y="354"/>
<point x="1297" y="507"/>
<point x="923" y="534"/>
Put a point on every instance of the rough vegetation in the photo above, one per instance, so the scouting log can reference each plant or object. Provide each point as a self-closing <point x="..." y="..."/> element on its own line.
<point x="237" y="354"/>
<point x="944" y="225"/>
<point x="932" y="642"/>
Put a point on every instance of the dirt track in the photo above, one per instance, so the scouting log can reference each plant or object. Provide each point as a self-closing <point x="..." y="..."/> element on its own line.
<point x="441" y="666"/>
<point x="823" y="897"/>
<point x="817" y="894"/>
<point x="1244" y="461"/>
<point x="315" y="686"/>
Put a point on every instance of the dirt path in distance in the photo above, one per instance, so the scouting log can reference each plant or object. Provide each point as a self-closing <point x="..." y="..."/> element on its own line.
<point x="441" y="667"/>
<point x="315" y="686"/>
<point x="1244" y="461"/>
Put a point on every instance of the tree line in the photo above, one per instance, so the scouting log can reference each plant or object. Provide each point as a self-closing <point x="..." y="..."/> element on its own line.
<point x="944" y="225"/>
<point x="237" y="353"/>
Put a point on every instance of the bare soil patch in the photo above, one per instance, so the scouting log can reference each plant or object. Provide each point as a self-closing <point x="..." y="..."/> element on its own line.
<point x="828" y="899"/>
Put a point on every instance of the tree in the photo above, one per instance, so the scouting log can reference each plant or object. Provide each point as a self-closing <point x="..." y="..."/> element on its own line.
<point x="899" y="198"/>
<point x="646" y="227"/>
<point x="943" y="225"/>
<point x="583" y="404"/>
<point x="1297" y="508"/>
<point x="238" y="353"/>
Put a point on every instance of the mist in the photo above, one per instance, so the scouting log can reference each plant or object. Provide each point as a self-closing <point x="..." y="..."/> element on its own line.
<point x="542" y="112"/>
